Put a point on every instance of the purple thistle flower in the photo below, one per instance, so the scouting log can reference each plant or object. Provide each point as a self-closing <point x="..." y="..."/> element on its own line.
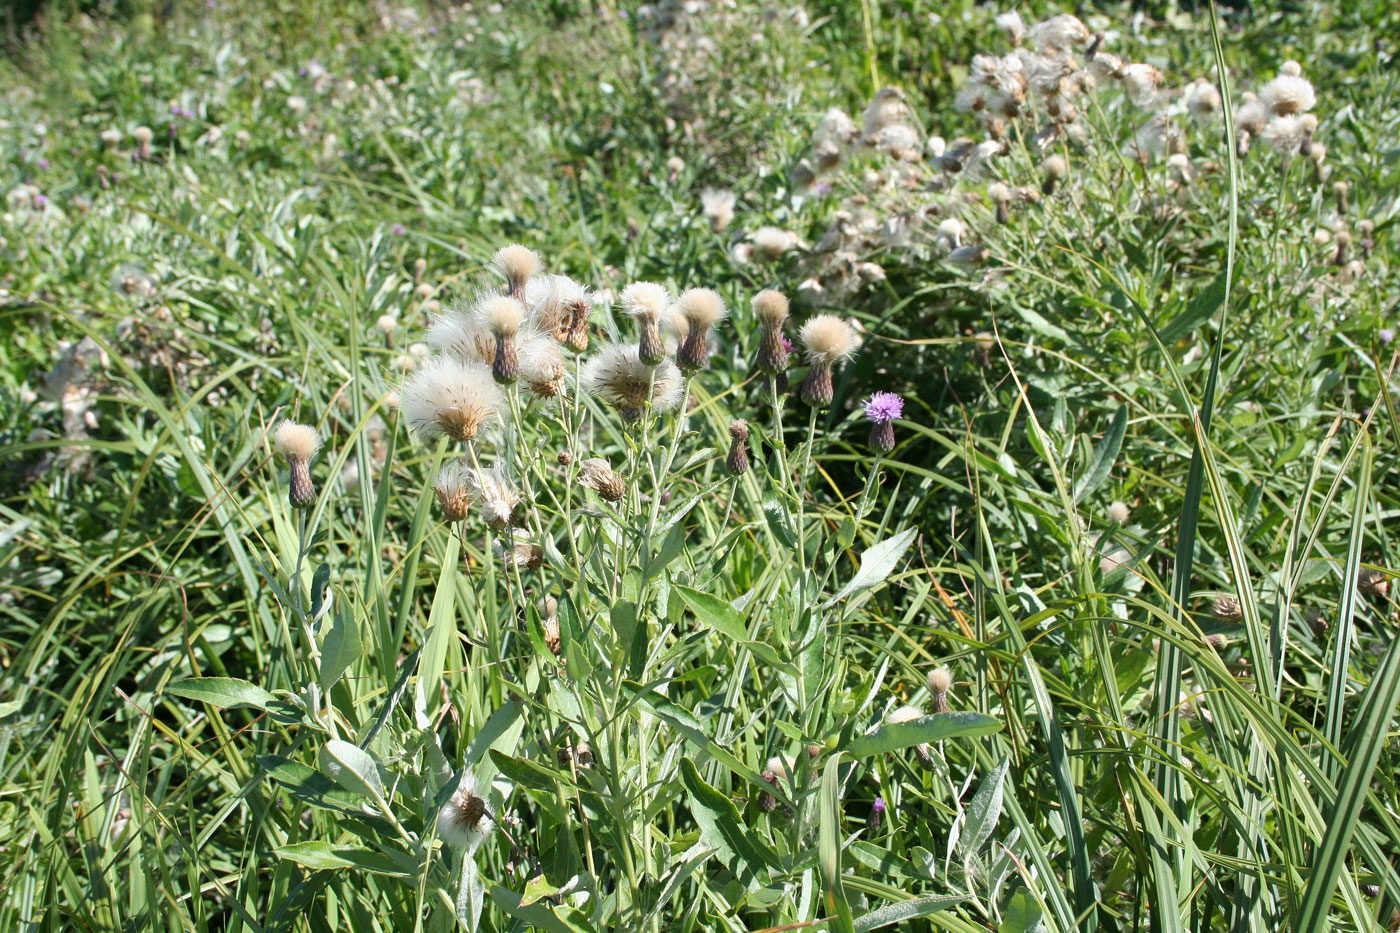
<point x="877" y="813"/>
<point x="1386" y="335"/>
<point x="40" y="201"/>
<point x="398" y="229"/>
<point x="787" y="343"/>
<point x="884" y="407"/>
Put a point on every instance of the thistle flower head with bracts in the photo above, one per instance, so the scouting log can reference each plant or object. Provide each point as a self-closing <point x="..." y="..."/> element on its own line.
<point x="737" y="461"/>
<point x="827" y="339"/>
<point x="617" y="375"/>
<point x="702" y="308"/>
<point x="881" y="410"/>
<point x="939" y="680"/>
<point x="448" y="397"/>
<point x="453" y="490"/>
<point x="463" y="821"/>
<point x="771" y="309"/>
<point x="516" y="264"/>
<point x="645" y="303"/>
<point x="501" y="316"/>
<point x="298" y="443"/>
<point x="500" y="502"/>
<point x="598" y="475"/>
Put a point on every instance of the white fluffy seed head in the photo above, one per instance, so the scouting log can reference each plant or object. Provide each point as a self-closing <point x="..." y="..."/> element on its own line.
<point x="780" y="766"/>
<point x="458" y="334"/>
<point x="718" y="207"/>
<point x="1284" y="134"/>
<point x="297" y="442"/>
<point x="770" y="307"/>
<point x="939" y="680"/>
<point x="501" y="315"/>
<point x="1142" y="83"/>
<point x="143" y="134"/>
<point x="998" y="192"/>
<point x="1288" y="94"/>
<point x="771" y="242"/>
<point x="1056" y="167"/>
<point x="516" y="263"/>
<point x="541" y="364"/>
<point x="462" y="822"/>
<point x="617" y="375"/>
<point x="905" y="714"/>
<point x="1060" y="33"/>
<point x="645" y="301"/>
<point x="447" y="396"/>
<point x="703" y="307"/>
<point x="1291" y="68"/>
<point x="1203" y="100"/>
<point x="387" y="323"/>
<point x="827" y="337"/>
<point x="1118" y="513"/>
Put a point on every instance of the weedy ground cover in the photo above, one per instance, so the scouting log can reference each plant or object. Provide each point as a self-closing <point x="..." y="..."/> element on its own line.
<point x="699" y="466"/>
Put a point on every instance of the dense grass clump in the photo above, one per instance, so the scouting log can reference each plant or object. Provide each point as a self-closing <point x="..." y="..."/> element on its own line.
<point x="699" y="466"/>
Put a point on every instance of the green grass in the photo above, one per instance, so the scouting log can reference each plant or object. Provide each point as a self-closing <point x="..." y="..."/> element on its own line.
<point x="221" y="713"/>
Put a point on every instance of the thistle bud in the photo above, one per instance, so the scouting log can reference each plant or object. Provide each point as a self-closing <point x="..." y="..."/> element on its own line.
<point x="738" y="460"/>
<point x="1056" y="168"/>
<point x="1340" y="190"/>
<point x="877" y="814"/>
<point x="702" y="308"/>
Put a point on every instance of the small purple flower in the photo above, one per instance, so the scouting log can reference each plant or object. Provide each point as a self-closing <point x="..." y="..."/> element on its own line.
<point x="1386" y="335"/>
<point x="42" y="162"/>
<point x="884" y="407"/>
<point x="787" y="344"/>
<point x="398" y="229"/>
<point x="175" y="109"/>
<point x="432" y="30"/>
<point x="40" y="201"/>
<point x="877" y="813"/>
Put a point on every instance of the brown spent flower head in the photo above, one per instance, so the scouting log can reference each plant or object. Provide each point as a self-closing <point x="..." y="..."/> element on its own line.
<point x="463" y="820"/>
<point x="939" y="680"/>
<point x="516" y="264"/>
<point x="737" y="462"/>
<point x="598" y="475"/>
<point x="453" y="490"/>
<point x="549" y="299"/>
<point x="1375" y="583"/>
<point x="501" y="503"/>
<point x="298" y="443"/>
<point x="617" y="375"/>
<point x="541" y="363"/>
<point x="827" y="339"/>
<point x="702" y="309"/>
<point x="645" y="303"/>
<point x="771" y="310"/>
<point x="523" y="553"/>
<point x="1227" y="608"/>
<point x="448" y="397"/>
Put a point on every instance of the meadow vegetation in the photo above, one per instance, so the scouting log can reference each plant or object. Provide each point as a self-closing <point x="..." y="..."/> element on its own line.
<point x="705" y="465"/>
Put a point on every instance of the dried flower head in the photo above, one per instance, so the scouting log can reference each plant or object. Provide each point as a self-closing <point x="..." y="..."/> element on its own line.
<point x="298" y="443"/>
<point x="541" y="361"/>
<point x="453" y="490"/>
<point x="1118" y="513"/>
<point x="717" y="205"/>
<point x="770" y="243"/>
<point x="501" y="316"/>
<point x="1203" y="101"/>
<point x="548" y="299"/>
<point x="516" y="264"/>
<point x="702" y="308"/>
<point x="463" y="821"/>
<point x="448" y="397"/>
<point x="499" y="501"/>
<point x="1142" y="82"/>
<point x="1285" y="135"/>
<point x="617" y="375"/>
<point x="827" y="339"/>
<point x="645" y="303"/>
<point x="461" y="335"/>
<point x="771" y="309"/>
<point x="1374" y="583"/>
<point x="1288" y="94"/>
<point x="939" y="680"/>
<point x="523" y="553"/>
<point x="1056" y="168"/>
<point x="1227" y="608"/>
<point x="1060" y="34"/>
<point x="598" y="475"/>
